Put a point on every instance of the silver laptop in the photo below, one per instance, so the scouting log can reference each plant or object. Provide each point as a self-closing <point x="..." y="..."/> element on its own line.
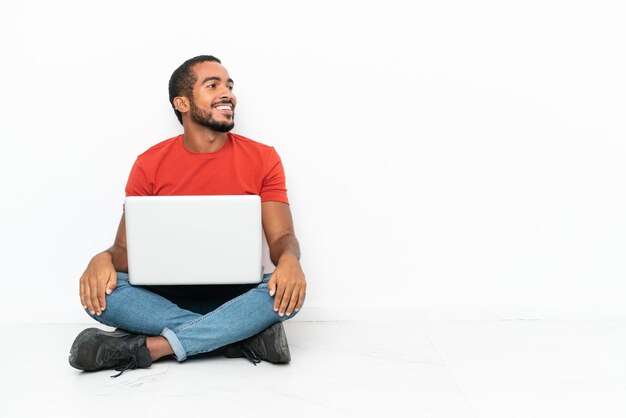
<point x="194" y="239"/>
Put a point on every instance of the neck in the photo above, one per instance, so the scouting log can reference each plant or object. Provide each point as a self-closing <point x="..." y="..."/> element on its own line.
<point x="200" y="139"/>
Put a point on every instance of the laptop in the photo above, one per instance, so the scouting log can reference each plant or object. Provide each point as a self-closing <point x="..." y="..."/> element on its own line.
<point x="182" y="240"/>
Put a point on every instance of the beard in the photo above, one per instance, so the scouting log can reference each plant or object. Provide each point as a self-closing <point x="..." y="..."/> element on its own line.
<point x="204" y="118"/>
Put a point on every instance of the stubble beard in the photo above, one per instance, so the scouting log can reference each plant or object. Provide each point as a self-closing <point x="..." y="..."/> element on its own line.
<point x="204" y="118"/>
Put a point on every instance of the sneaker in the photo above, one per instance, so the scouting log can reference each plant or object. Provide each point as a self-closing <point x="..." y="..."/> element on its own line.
<point x="95" y="349"/>
<point x="269" y="345"/>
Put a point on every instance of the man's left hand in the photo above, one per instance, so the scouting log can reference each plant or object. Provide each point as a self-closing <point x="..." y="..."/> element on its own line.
<point x="288" y="284"/>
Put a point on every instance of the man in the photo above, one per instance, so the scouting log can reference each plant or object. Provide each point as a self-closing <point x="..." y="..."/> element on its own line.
<point x="157" y="321"/>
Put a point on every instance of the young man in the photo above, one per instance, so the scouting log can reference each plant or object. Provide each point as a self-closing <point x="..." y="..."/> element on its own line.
<point x="157" y="321"/>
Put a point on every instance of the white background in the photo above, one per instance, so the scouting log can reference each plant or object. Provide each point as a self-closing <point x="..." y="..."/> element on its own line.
<point x="446" y="159"/>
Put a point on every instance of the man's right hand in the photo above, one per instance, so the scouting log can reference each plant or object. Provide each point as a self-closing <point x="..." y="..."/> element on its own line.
<point x="99" y="278"/>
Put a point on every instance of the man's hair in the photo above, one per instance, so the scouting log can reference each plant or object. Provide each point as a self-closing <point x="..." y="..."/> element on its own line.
<point x="183" y="79"/>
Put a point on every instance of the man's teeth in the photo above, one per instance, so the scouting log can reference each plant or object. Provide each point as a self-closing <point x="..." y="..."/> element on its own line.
<point x="223" y="107"/>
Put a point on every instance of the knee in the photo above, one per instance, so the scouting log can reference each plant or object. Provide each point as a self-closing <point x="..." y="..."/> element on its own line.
<point x="102" y="318"/>
<point x="114" y="303"/>
<point x="284" y="317"/>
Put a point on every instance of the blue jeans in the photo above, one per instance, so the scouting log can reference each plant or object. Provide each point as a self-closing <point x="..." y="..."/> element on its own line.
<point x="193" y="319"/>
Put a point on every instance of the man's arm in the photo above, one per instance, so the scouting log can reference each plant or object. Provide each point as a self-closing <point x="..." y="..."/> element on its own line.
<point x="287" y="282"/>
<point x="100" y="277"/>
<point x="119" y="256"/>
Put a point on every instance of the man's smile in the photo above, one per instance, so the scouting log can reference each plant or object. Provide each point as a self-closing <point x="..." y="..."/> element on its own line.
<point x="225" y="108"/>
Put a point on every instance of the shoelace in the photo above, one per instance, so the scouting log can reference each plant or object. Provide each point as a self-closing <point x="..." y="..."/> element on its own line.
<point x="249" y="353"/>
<point x="127" y="360"/>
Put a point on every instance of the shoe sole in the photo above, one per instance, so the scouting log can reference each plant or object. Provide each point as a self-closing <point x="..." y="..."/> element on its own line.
<point x="84" y="336"/>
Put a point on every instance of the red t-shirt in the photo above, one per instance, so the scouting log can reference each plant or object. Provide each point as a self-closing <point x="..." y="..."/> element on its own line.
<point x="242" y="166"/>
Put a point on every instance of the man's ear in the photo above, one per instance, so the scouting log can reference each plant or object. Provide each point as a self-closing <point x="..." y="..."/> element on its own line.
<point x="181" y="104"/>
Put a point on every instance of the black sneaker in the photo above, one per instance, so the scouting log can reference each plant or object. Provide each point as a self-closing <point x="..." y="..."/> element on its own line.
<point x="269" y="345"/>
<point x="95" y="349"/>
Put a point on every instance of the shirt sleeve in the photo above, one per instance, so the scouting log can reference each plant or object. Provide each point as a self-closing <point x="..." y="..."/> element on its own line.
<point x="274" y="186"/>
<point x="138" y="184"/>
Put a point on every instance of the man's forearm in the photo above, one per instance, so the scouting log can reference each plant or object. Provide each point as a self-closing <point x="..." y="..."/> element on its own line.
<point x="287" y="245"/>
<point x="119" y="258"/>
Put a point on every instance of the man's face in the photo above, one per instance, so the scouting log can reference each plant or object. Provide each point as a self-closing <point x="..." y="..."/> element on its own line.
<point x="213" y="102"/>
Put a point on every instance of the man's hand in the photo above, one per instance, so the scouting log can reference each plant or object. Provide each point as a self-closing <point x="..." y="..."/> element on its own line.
<point x="99" y="278"/>
<point x="288" y="284"/>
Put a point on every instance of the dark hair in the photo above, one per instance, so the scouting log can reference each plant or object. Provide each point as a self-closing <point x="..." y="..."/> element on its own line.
<point x="183" y="79"/>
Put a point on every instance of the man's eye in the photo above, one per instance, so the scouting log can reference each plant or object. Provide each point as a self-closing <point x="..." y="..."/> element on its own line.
<point x="230" y="88"/>
<point x="211" y="85"/>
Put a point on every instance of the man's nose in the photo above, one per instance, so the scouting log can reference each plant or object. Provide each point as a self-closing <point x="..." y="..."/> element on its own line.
<point x="227" y="94"/>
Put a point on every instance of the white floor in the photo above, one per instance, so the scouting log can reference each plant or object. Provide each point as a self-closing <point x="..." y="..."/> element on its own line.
<point x="484" y="369"/>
